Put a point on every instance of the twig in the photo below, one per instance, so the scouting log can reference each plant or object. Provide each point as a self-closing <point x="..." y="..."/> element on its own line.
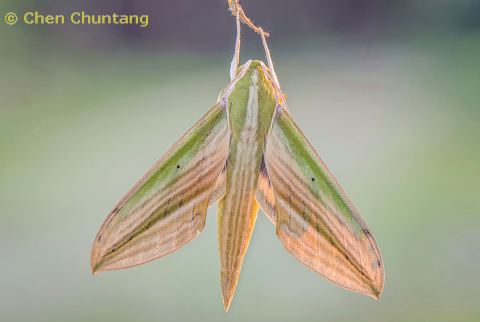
<point x="236" y="9"/>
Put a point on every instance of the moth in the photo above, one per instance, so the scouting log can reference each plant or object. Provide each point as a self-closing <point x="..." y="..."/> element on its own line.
<point x="246" y="153"/>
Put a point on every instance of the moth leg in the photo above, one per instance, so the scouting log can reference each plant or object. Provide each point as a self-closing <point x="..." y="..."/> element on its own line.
<point x="269" y="59"/>
<point x="236" y="55"/>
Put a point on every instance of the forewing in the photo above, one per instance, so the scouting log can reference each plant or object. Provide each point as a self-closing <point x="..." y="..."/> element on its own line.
<point x="166" y="209"/>
<point x="316" y="221"/>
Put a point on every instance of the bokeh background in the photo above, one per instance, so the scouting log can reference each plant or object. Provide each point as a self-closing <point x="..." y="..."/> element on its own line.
<point x="388" y="92"/>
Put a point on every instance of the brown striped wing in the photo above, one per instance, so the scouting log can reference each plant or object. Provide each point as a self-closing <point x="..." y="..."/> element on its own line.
<point x="166" y="209"/>
<point x="316" y="221"/>
<point x="237" y="210"/>
<point x="264" y="195"/>
<point x="220" y="187"/>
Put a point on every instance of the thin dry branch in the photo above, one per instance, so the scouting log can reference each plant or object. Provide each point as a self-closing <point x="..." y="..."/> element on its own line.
<point x="236" y="9"/>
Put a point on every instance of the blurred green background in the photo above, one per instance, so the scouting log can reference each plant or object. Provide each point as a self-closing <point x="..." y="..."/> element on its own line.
<point x="388" y="92"/>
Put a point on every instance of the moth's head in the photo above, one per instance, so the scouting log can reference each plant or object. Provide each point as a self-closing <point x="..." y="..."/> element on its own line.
<point x="261" y="74"/>
<point x="253" y="64"/>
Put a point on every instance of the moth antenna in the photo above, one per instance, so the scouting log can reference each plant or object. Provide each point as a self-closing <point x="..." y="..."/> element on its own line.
<point x="269" y="58"/>
<point x="236" y="55"/>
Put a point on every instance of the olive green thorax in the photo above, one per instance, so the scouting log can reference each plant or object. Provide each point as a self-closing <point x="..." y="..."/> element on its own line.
<point x="251" y="99"/>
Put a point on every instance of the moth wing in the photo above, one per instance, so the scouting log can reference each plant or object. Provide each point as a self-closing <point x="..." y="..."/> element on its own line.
<point x="316" y="221"/>
<point x="220" y="187"/>
<point x="264" y="195"/>
<point x="166" y="209"/>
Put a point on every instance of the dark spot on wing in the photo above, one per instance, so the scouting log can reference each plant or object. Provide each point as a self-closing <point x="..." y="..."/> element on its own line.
<point x="313" y="179"/>
<point x="224" y="167"/>
<point x="178" y="166"/>
<point x="113" y="248"/>
<point x="346" y="256"/>
<point x="263" y="167"/>
<point x="379" y="264"/>
<point x="115" y="210"/>
<point x="99" y="238"/>
<point x="367" y="232"/>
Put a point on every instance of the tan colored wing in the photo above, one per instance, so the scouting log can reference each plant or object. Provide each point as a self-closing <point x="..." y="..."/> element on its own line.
<point x="237" y="212"/>
<point x="316" y="221"/>
<point x="166" y="209"/>
<point x="220" y="187"/>
<point x="264" y="195"/>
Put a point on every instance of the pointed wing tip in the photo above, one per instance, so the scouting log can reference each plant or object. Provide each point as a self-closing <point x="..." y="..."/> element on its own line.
<point x="366" y="291"/>
<point x="229" y="281"/>
<point x="227" y="299"/>
<point x="94" y="262"/>
<point x="94" y="257"/>
<point x="95" y="265"/>
<point x="376" y="296"/>
<point x="100" y="269"/>
<point x="376" y="287"/>
<point x="377" y="291"/>
<point x="381" y="282"/>
<point x="92" y="265"/>
<point x="94" y="270"/>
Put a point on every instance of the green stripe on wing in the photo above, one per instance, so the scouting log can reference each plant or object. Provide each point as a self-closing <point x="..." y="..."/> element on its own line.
<point x="316" y="221"/>
<point x="166" y="209"/>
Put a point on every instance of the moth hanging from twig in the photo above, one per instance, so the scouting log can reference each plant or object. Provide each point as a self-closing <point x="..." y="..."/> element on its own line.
<point x="245" y="153"/>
